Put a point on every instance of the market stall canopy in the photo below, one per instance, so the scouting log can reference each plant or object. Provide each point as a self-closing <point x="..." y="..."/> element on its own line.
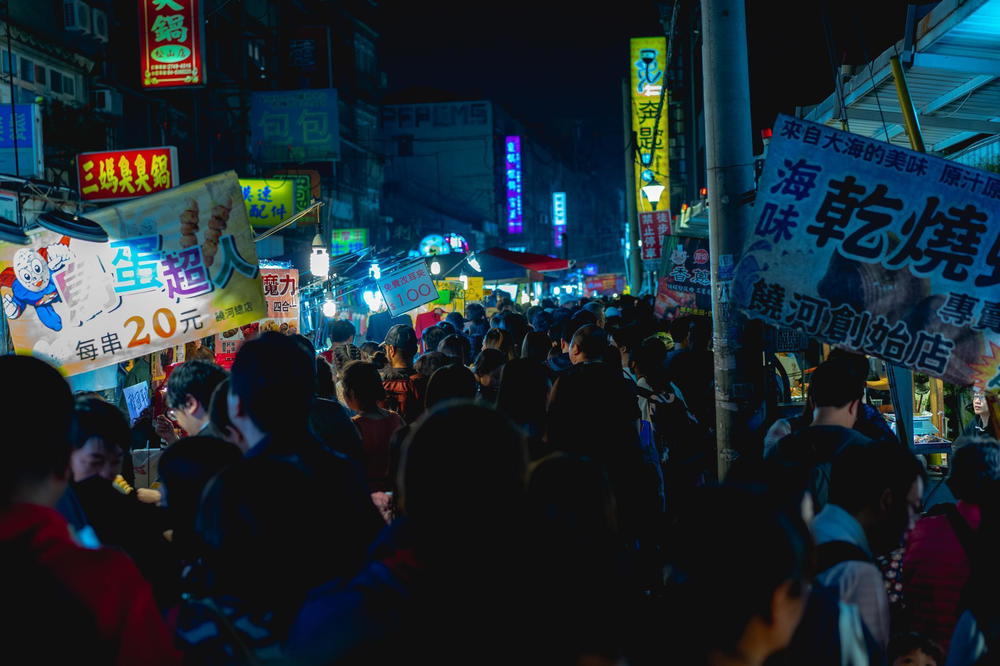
<point x="532" y="262"/>
<point x="952" y="61"/>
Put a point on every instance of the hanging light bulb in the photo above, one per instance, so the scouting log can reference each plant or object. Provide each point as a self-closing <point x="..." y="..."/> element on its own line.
<point x="329" y="308"/>
<point x="435" y="267"/>
<point x="374" y="300"/>
<point x="474" y="263"/>
<point x="464" y="279"/>
<point x="375" y="271"/>
<point x="319" y="260"/>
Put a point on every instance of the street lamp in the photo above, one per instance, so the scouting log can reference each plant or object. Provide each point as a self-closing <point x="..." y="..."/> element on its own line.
<point x="435" y="267"/>
<point x="653" y="191"/>
<point x="319" y="260"/>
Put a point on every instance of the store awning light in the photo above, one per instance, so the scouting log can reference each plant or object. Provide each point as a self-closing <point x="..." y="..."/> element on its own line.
<point x="73" y="225"/>
<point x="474" y="263"/>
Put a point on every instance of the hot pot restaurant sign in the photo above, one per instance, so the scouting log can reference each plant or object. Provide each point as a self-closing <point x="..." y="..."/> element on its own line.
<point x="879" y="249"/>
<point x="116" y="175"/>
<point x="171" y="43"/>
<point x="179" y="265"/>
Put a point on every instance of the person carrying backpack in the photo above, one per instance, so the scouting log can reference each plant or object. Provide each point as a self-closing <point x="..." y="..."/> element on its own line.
<point x="401" y="381"/>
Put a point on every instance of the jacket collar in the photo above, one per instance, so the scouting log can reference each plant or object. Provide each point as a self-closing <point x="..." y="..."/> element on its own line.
<point x="835" y="524"/>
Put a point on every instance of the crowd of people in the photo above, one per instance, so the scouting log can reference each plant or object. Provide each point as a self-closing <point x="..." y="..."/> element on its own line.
<point x="532" y="487"/>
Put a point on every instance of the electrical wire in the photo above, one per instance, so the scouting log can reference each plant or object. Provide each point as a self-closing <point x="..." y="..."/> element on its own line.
<point x="871" y="73"/>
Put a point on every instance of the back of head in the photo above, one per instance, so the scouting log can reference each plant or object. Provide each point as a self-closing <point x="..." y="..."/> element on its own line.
<point x="368" y="350"/>
<point x="194" y="378"/>
<point x="341" y="331"/>
<point x="774" y="552"/>
<point x="326" y="386"/>
<point x="434" y="459"/>
<point x="680" y="327"/>
<point x="42" y="397"/>
<point x="975" y="468"/>
<point x="700" y="334"/>
<point x="363" y="384"/>
<point x="475" y="312"/>
<point x="218" y="411"/>
<point x="580" y="319"/>
<point x="496" y="339"/>
<point x="433" y="335"/>
<point x="489" y="360"/>
<point x="861" y="473"/>
<point x="343" y="355"/>
<point x="457" y="348"/>
<point x="96" y="417"/>
<point x="649" y="359"/>
<point x="403" y="338"/>
<point x="516" y="327"/>
<point x="427" y="364"/>
<point x="836" y="384"/>
<point x="451" y="382"/>
<point x="456" y="320"/>
<point x="275" y="382"/>
<point x="591" y="341"/>
<point x="536" y="346"/>
<point x="596" y="309"/>
<point x="524" y="391"/>
<point x="304" y="342"/>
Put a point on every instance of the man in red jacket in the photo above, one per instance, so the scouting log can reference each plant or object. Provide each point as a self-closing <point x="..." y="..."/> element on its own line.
<point x="936" y="561"/>
<point x="65" y="602"/>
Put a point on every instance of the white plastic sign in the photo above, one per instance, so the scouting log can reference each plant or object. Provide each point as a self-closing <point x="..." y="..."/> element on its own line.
<point x="407" y="288"/>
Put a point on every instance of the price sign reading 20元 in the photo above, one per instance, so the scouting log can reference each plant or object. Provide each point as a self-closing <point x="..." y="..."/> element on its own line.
<point x="407" y="288"/>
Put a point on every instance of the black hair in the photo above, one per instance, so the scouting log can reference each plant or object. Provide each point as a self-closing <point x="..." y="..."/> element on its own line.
<point x="428" y="363"/>
<point x="432" y="337"/>
<point x="195" y="378"/>
<point x="592" y="341"/>
<point x="341" y="331"/>
<point x="524" y="393"/>
<point x="577" y="321"/>
<point x="369" y="349"/>
<point x="218" y="411"/>
<point x="325" y="385"/>
<point x="305" y="343"/>
<point x="649" y="359"/>
<point x="536" y="346"/>
<point x="343" y="355"/>
<point x="836" y="384"/>
<point x="903" y="644"/>
<point x="275" y="382"/>
<point x="862" y="472"/>
<point x="450" y="382"/>
<point x="975" y="467"/>
<point x="475" y="312"/>
<point x="774" y="546"/>
<point x="361" y="379"/>
<point x="457" y="348"/>
<point x="42" y="398"/>
<point x="488" y="361"/>
<point x="96" y="417"/>
<point x="515" y="325"/>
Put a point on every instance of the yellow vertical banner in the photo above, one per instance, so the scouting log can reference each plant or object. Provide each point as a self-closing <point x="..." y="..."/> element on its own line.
<point x="648" y="65"/>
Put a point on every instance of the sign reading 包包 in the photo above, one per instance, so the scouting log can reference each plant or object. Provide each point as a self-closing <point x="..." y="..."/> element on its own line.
<point x="409" y="287"/>
<point x="281" y="292"/>
<point x="268" y="200"/>
<point x="179" y="265"/>
<point x="171" y="43"/>
<point x="686" y="285"/>
<point x="879" y="249"/>
<point x="295" y="125"/>
<point x="116" y="175"/>
<point x="648" y="65"/>
<point x="21" y="131"/>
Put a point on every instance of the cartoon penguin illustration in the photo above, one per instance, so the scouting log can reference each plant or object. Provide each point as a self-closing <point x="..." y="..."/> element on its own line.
<point x="30" y="282"/>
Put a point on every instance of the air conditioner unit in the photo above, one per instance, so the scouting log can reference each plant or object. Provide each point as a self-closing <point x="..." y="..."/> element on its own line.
<point x="106" y="101"/>
<point x="76" y="16"/>
<point x="100" y="25"/>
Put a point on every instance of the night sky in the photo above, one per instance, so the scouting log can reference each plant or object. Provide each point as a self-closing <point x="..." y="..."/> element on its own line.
<point x="551" y="60"/>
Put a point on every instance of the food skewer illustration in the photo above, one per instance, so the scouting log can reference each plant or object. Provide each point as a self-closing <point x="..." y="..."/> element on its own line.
<point x="216" y="225"/>
<point x="189" y="224"/>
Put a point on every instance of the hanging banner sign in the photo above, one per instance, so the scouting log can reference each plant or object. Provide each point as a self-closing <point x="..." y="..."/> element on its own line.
<point x="171" y="43"/>
<point x="648" y="66"/>
<point x="878" y="249"/>
<point x="116" y="175"/>
<point x="686" y="285"/>
<point x="407" y="288"/>
<point x="653" y="227"/>
<point x="179" y="266"/>
<point x="605" y="284"/>
<point x="281" y="291"/>
<point x="268" y="200"/>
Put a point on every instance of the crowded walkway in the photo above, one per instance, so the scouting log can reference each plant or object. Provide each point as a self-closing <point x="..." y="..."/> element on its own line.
<point x="533" y="488"/>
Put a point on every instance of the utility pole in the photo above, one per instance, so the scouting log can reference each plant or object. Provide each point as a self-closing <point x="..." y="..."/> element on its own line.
<point x="631" y="216"/>
<point x="730" y="177"/>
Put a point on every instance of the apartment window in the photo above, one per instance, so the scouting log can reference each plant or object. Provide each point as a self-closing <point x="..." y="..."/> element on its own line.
<point x="8" y="64"/>
<point x="364" y="53"/>
<point x="55" y="81"/>
<point x="27" y="70"/>
<point x="40" y="75"/>
<point x="69" y="84"/>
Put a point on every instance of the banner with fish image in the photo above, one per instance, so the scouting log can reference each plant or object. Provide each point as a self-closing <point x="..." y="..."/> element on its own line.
<point x="178" y="266"/>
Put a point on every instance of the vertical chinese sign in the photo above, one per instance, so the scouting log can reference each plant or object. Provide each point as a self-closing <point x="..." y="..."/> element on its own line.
<point x="686" y="285"/>
<point x="21" y="130"/>
<point x="648" y="65"/>
<point x="268" y="200"/>
<point x="558" y="217"/>
<point x="179" y="265"/>
<point x="281" y="292"/>
<point x="172" y="43"/>
<point x="877" y="249"/>
<point x="116" y="175"/>
<point x="653" y="227"/>
<point x="512" y="160"/>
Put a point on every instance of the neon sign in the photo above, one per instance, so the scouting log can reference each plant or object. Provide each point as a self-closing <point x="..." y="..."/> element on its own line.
<point x="558" y="217"/>
<point x="515" y="218"/>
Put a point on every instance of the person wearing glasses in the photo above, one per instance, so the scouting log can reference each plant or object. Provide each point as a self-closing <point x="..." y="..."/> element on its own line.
<point x="189" y="397"/>
<point x="980" y="425"/>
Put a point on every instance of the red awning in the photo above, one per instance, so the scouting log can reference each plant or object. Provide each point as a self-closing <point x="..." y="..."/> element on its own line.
<point x="532" y="262"/>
